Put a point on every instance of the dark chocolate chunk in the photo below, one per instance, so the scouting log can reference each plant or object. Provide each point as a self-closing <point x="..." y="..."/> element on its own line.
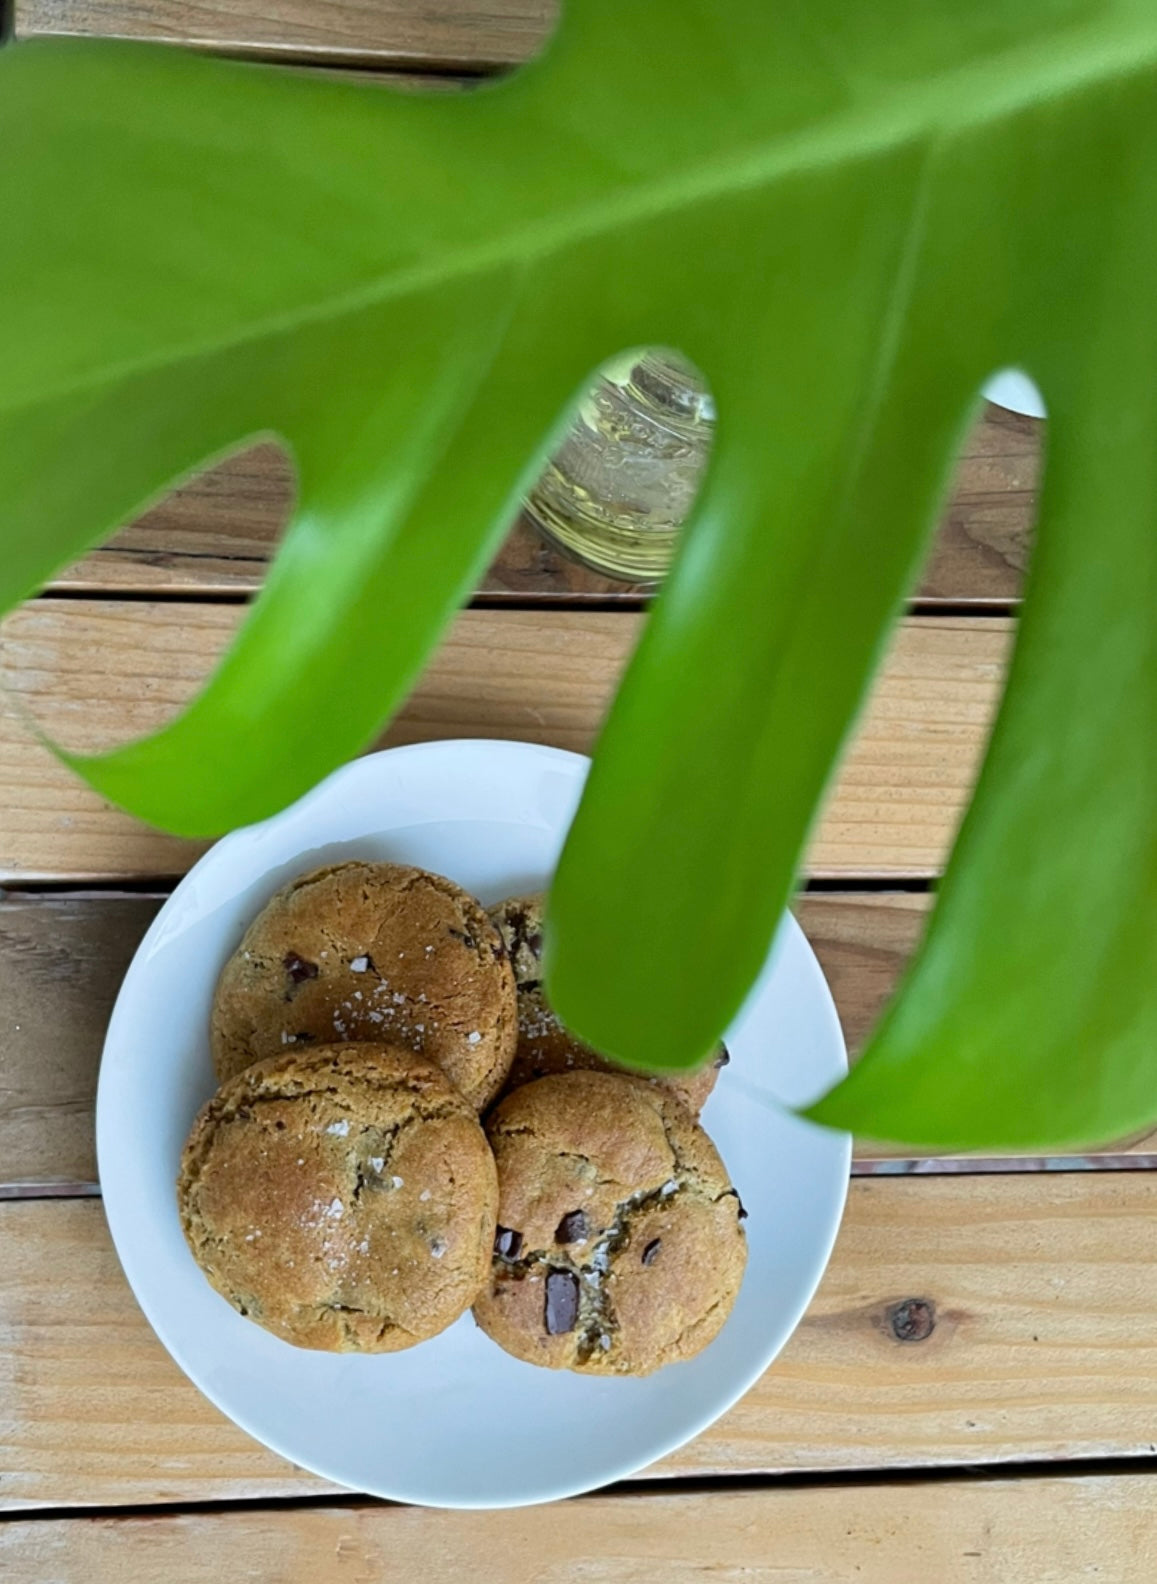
<point x="507" y="1244"/>
<point x="298" y="969"/>
<point x="651" y="1252"/>
<point x="723" y="1058"/>
<point x="742" y="1213"/>
<point x="562" y="1302"/>
<point x="534" y="941"/>
<point x="466" y="938"/>
<point x="573" y="1228"/>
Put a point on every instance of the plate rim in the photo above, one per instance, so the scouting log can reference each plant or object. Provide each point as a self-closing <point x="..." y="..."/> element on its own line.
<point x="664" y="1447"/>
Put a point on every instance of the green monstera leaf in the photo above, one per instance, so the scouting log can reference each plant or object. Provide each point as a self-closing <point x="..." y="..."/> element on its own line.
<point x="847" y="217"/>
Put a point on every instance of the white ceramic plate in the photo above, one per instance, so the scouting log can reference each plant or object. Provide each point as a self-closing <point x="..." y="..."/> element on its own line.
<point x="455" y="1422"/>
<point x="1016" y="391"/>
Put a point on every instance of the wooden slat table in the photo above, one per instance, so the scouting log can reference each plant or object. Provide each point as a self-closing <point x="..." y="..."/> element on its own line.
<point x="973" y="1394"/>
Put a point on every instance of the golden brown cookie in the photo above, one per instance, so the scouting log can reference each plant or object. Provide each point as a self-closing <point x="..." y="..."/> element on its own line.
<point x="619" y="1246"/>
<point x="545" y="1044"/>
<point x="343" y="1197"/>
<point x="378" y="952"/>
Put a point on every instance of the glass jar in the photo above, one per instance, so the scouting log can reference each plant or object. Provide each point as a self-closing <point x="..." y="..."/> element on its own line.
<point x="622" y="483"/>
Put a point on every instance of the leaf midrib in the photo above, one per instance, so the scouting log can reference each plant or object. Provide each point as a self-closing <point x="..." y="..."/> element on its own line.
<point x="943" y="106"/>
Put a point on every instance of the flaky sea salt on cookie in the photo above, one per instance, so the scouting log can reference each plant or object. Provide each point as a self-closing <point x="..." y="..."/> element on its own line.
<point x="375" y="952"/>
<point x="342" y="1197"/>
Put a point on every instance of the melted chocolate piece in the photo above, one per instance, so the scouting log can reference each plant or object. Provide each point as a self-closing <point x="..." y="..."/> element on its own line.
<point x="723" y="1058"/>
<point x="298" y="969"/>
<point x="651" y="1252"/>
<point x="560" y="1313"/>
<point x="573" y="1228"/>
<point x="523" y="939"/>
<point x="507" y="1244"/>
<point x="466" y="938"/>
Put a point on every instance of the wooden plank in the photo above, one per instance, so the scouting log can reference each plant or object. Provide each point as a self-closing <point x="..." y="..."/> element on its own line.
<point x="61" y="963"/>
<point x="474" y="35"/>
<point x="1040" y="1291"/>
<point x="95" y="672"/>
<point x="217" y="532"/>
<point x="864" y="943"/>
<point x="982" y="549"/>
<point x="62" y="960"/>
<point x="989" y="1531"/>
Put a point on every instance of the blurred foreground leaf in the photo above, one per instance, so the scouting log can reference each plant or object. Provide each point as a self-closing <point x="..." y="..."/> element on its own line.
<point x="847" y="216"/>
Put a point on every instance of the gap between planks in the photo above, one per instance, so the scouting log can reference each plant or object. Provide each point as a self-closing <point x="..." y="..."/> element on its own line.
<point x="1028" y="1530"/>
<point x="1040" y="1292"/>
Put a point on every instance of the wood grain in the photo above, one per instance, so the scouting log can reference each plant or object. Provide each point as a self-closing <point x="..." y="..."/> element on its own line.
<point x="92" y="673"/>
<point x="985" y="538"/>
<point x="989" y="1531"/>
<point x="476" y="35"/>
<point x="1041" y="1291"/>
<point x="62" y="960"/>
<point x="216" y="533"/>
<point x="61" y="963"/>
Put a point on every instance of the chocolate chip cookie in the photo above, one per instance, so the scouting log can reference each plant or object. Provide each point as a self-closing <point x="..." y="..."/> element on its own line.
<point x="545" y="1044"/>
<point x="343" y="1197"/>
<point x="376" y="952"/>
<point x="620" y="1246"/>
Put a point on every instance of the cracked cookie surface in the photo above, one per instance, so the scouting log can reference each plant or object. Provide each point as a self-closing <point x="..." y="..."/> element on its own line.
<point x="343" y="1197"/>
<point x="619" y="1246"/>
<point x="545" y="1044"/>
<point x="375" y="952"/>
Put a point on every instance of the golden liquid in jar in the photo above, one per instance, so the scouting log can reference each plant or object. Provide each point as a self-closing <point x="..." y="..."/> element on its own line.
<point x="622" y="483"/>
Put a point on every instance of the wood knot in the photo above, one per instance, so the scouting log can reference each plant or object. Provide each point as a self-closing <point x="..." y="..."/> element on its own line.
<point x="912" y="1320"/>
